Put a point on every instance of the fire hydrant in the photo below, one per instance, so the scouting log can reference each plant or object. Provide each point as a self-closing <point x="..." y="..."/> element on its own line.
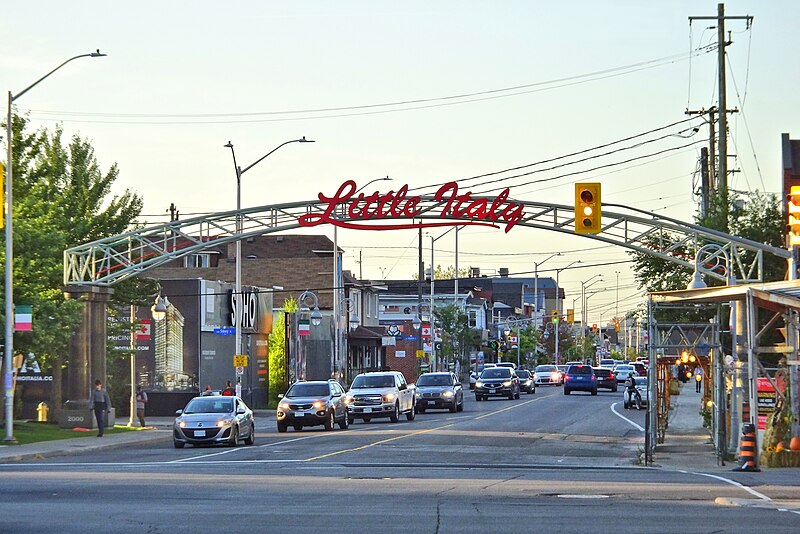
<point x="42" y="410"/>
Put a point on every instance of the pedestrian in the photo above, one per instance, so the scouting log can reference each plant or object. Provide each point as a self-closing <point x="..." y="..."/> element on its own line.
<point x="698" y="377"/>
<point x="228" y="391"/>
<point x="141" y="400"/>
<point x="207" y="391"/>
<point x="100" y="402"/>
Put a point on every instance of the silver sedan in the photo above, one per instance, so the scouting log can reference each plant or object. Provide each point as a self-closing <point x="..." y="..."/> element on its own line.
<point x="209" y="420"/>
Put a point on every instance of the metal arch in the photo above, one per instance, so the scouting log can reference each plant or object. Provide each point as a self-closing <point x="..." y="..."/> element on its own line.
<point x="110" y="260"/>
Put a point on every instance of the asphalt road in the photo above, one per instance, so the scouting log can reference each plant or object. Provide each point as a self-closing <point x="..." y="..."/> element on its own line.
<point x="546" y="461"/>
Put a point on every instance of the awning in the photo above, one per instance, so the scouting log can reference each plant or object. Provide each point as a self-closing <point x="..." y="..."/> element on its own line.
<point x="770" y="294"/>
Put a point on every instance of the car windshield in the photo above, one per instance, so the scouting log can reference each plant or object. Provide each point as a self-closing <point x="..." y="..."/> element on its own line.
<point x="209" y="406"/>
<point x="562" y="368"/>
<point x="625" y="368"/>
<point x="546" y="369"/>
<point x="377" y="381"/>
<point x="523" y="374"/>
<point x="580" y="370"/>
<point x="434" y="380"/>
<point x="309" y="390"/>
<point x="496" y="372"/>
<point x="640" y="380"/>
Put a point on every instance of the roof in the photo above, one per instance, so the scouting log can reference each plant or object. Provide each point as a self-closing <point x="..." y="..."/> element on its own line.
<point x="785" y="293"/>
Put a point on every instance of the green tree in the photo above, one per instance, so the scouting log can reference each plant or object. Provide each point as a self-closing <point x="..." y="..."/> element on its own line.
<point x="446" y="273"/>
<point x="277" y="352"/>
<point x="61" y="198"/>
<point x="457" y="336"/>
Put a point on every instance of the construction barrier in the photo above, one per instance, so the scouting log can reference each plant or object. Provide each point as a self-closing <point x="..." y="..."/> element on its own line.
<point x="747" y="449"/>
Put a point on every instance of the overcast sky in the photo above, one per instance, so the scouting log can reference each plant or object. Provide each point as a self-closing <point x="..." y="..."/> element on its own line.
<point x="546" y="78"/>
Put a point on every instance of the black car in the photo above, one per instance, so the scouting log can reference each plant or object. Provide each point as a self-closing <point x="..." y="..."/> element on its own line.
<point x="440" y="391"/>
<point x="526" y="382"/>
<point x="497" y="382"/>
<point x="580" y="378"/>
<point x="605" y="378"/>
<point x="312" y="403"/>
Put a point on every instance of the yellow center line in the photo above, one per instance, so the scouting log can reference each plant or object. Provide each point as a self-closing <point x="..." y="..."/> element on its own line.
<point x="419" y="432"/>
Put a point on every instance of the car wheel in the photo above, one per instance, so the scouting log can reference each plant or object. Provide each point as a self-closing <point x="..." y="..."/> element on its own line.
<point x="395" y="417"/>
<point x="282" y="427"/>
<point x="251" y="438"/>
<point x="533" y="390"/>
<point x="298" y="428"/>
<point x="412" y="414"/>
<point x="350" y="421"/>
<point x="594" y="391"/>
<point x="345" y="424"/>
<point x="454" y="407"/>
<point x="566" y="391"/>
<point x="179" y="444"/>
<point x="234" y="437"/>
<point x="614" y="389"/>
<point x="461" y="405"/>
<point x="511" y="396"/>
<point x="478" y="398"/>
<point x="329" y="421"/>
<point x="367" y="419"/>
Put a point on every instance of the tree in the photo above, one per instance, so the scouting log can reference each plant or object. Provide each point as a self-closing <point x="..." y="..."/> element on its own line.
<point x="447" y="273"/>
<point x="277" y="352"/>
<point x="456" y="334"/>
<point x="61" y="198"/>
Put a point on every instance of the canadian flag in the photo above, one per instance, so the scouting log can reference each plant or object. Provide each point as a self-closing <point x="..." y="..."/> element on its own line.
<point x="142" y="332"/>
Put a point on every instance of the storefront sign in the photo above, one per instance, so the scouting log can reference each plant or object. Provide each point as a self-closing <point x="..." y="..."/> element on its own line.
<point x="249" y="313"/>
<point x="399" y="205"/>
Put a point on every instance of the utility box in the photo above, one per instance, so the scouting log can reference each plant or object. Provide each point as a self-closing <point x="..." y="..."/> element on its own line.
<point x="77" y="414"/>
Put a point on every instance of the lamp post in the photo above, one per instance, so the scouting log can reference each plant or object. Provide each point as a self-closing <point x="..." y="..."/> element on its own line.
<point x="536" y="287"/>
<point x="584" y="285"/>
<point x="558" y="305"/>
<point x="307" y="301"/>
<point x="237" y="302"/>
<point x="9" y="263"/>
<point x="433" y="276"/>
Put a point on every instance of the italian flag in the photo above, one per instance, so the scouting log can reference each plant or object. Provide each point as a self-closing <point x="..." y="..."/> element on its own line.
<point x="303" y="328"/>
<point x="23" y="318"/>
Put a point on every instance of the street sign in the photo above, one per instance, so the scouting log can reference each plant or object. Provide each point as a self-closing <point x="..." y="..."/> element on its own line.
<point x="420" y="353"/>
<point x="225" y="331"/>
<point x="240" y="360"/>
<point x="239" y="371"/>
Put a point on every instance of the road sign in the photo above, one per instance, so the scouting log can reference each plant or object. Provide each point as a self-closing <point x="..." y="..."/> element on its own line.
<point x="420" y="353"/>
<point x="239" y="371"/>
<point x="225" y="331"/>
<point x="240" y="360"/>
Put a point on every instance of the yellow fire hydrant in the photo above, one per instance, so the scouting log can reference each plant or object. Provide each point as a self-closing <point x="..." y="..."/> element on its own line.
<point x="42" y="410"/>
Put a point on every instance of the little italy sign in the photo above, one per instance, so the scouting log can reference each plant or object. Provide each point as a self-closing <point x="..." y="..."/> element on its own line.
<point x="365" y="209"/>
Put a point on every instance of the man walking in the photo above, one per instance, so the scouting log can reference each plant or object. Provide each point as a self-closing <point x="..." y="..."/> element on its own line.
<point x="141" y="400"/>
<point x="100" y="403"/>
<point x="698" y="377"/>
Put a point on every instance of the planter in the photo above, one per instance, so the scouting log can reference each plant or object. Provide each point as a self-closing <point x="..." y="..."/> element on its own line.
<point x="674" y="387"/>
<point x="783" y="458"/>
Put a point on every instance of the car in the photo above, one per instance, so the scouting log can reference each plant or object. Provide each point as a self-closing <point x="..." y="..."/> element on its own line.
<point x="580" y="378"/>
<point x="624" y="371"/>
<point x="526" y="382"/>
<point x="640" y="368"/>
<point x="312" y="403"/>
<point x="641" y="386"/>
<point x="562" y="370"/>
<point x="381" y="394"/>
<point x="497" y="382"/>
<point x="439" y="391"/>
<point x="607" y="362"/>
<point x="605" y="378"/>
<point x="546" y="374"/>
<point x="212" y="420"/>
<point x="507" y="364"/>
<point x="473" y="376"/>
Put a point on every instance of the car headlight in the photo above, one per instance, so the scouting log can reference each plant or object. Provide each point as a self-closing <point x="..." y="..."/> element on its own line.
<point x="223" y="422"/>
<point x="507" y="383"/>
<point x="554" y="376"/>
<point x="319" y="404"/>
<point x="348" y="399"/>
<point x="283" y="406"/>
<point x="182" y="424"/>
<point x="479" y="384"/>
<point x="389" y="397"/>
<point x="419" y="394"/>
<point x="447" y="393"/>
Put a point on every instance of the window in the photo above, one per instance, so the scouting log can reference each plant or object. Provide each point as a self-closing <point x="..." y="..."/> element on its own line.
<point x="473" y="318"/>
<point x="197" y="261"/>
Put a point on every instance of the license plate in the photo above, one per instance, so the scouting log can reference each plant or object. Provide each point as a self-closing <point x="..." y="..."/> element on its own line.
<point x="492" y="390"/>
<point x="429" y="402"/>
<point x="299" y="414"/>
<point x="367" y="410"/>
<point x="199" y="433"/>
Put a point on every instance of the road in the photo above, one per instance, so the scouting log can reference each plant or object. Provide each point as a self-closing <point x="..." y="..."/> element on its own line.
<point x="546" y="461"/>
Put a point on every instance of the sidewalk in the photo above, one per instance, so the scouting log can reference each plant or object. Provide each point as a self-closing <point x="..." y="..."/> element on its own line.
<point x="159" y="430"/>
<point x="687" y="445"/>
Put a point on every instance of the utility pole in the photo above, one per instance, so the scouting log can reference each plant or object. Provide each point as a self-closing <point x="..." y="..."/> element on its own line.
<point x="704" y="182"/>
<point x="173" y="212"/>
<point x="722" y="178"/>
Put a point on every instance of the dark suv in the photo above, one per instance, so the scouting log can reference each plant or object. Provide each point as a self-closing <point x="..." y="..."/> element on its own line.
<point x="580" y="377"/>
<point x="605" y="378"/>
<point x="497" y="382"/>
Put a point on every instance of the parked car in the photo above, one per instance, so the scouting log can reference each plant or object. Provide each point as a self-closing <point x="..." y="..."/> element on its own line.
<point x="605" y="378"/>
<point x="210" y="420"/>
<point x="497" y="382"/>
<point x="580" y="378"/>
<point x="624" y="371"/>
<point x="381" y="394"/>
<point x="311" y="404"/>
<point x="641" y="387"/>
<point x="439" y="391"/>
<point x="546" y="374"/>
<point x="526" y="382"/>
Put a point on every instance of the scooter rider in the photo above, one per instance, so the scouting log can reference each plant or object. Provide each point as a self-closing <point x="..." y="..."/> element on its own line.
<point x="630" y="385"/>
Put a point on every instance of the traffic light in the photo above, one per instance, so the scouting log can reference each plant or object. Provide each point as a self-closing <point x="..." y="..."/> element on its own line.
<point x="571" y="316"/>
<point x="587" y="208"/>
<point x="616" y="326"/>
<point x="493" y="344"/>
<point x="594" y="329"/>
<point x="555" y="316"/>
<point x="793" y="209"/>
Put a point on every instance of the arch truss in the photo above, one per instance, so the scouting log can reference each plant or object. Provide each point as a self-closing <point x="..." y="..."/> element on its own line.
<point x="110" y="260"/>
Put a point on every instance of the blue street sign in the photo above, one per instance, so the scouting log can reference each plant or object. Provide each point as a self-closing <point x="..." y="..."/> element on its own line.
<point x="410" y="338"/>
<point x="225" y="331"/>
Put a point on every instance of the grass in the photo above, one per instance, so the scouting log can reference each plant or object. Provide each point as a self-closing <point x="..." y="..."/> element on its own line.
<point x="30" y="432"/>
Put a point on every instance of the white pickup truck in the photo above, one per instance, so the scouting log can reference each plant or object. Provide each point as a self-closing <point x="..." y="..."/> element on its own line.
<point x="381" y="394"/>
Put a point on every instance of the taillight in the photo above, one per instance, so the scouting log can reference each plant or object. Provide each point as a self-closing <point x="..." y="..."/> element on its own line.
<point x="566" y="377"/>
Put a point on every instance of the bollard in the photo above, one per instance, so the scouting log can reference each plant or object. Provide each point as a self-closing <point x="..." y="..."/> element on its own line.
<point x="747" y="449"/>
<point x="42" y="409"/>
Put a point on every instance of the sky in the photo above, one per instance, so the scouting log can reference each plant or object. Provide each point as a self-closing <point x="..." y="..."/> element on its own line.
<point x="546" y="79"/>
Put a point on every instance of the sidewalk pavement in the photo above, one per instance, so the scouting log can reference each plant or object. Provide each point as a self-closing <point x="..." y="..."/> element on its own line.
<point x="159" y="429"/>
<point x="687" y="445"/>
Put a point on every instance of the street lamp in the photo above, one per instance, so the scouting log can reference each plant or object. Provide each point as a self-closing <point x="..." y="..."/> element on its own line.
<point x="584" y="285"/>
<point x="558" y="305"/>
<point x="238" y="289"/>
<point x="536" y="287"/>
<point x="9" y="263"/>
